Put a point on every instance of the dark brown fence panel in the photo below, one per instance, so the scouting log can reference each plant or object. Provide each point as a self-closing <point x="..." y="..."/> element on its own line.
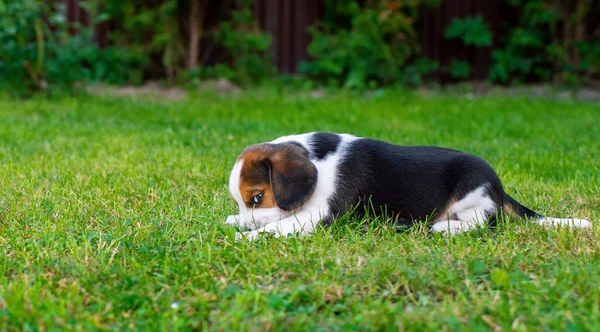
<point x="438" y="48"/>
<point x="75" y="13"/>
<point x="287" y="21"/>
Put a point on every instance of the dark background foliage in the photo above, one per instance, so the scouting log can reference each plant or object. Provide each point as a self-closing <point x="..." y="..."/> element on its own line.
<point x="356" y="44"/>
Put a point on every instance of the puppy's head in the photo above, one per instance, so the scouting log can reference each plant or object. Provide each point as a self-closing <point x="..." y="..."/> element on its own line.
<point x="270" y="182"/>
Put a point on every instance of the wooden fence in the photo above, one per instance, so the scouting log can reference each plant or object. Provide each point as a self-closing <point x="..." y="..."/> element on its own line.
<point x="287" y="21"/>
<point x="75" y="13"/>
<point x="436" y="47"/>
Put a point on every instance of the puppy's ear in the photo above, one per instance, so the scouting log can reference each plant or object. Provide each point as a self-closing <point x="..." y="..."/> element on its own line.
<point x="292" y="175"/>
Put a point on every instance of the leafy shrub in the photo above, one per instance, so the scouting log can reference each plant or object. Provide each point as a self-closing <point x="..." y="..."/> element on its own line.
<point x="152" y="33"/>
<point x="553" y="40"/>
<point x="589" y="67"/>
<point x="180" y="37"/>
<point x="460" y="69"/>
<point x="113" y="65"/>
<point x="370" y="50"/>
<point x="247" y="45"/>
<point x="472" y="31"/>
<point x="413" y="74"/>
<point x="524" y="56"/>
<point x="36" y="52"/>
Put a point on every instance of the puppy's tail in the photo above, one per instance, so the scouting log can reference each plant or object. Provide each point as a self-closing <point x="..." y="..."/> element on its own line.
<point x="513" y="208"/>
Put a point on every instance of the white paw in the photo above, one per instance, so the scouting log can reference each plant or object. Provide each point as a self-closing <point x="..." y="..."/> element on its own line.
<point x="443" y="228"/>
<point x="249" y="236"/>
<point x="452" y="227"/>
<point x="232" y="220"/>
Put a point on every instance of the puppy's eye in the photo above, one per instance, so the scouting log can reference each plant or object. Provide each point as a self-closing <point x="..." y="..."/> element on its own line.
<point x="256" y="199"/>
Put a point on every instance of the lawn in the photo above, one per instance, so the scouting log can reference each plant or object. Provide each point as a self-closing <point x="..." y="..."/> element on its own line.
<point x="112" y="209"/>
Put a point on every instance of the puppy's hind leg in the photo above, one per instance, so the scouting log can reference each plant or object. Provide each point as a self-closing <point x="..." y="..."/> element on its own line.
<point x="453" y="227"/>
<point x="470" y="212"/>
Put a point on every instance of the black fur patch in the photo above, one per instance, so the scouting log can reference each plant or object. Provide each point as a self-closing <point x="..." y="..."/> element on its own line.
<point x="292" y="175"/>
<point x="409" y="182"/>
<point x="323" y="144"/>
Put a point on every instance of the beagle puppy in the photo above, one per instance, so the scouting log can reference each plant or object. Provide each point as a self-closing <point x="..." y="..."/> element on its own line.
<point x="291" y="184"/>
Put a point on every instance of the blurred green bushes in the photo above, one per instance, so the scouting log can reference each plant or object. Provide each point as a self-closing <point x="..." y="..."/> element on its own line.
<point x="367" y="45"/>
<point x="174" y="40"/>
<point x="553" y="40"/>
<point x="371" y="43"/>
<point x="357" y="44"/>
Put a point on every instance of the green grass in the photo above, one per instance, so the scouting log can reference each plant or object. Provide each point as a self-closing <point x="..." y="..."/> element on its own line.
<point x="111" y="217"/>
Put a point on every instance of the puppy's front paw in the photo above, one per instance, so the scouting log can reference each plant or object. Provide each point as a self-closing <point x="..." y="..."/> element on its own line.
<point x="440" y="228"/>
<point x="232" y="220"/>
<point x="239" y="236"/>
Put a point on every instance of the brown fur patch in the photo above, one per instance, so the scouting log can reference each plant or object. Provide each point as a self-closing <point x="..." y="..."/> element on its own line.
<point x="443" y="215"/>
<point x="254" y="176"/>
<point x="282" y="172"/>
<point x="508" y="210"/>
